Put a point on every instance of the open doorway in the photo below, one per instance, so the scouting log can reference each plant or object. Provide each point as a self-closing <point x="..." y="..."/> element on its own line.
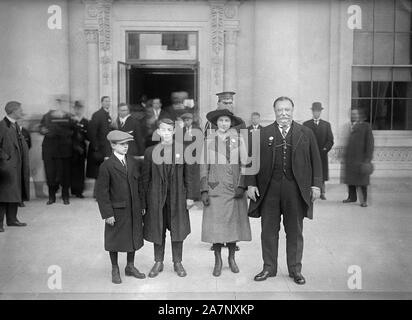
<point x="161" y="82"/>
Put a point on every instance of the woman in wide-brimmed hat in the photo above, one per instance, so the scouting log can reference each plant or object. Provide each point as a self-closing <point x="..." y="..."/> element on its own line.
<point x="225" y="218"/>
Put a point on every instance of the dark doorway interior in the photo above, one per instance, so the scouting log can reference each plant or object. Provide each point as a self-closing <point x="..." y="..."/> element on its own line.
<point x="161" y="82"/>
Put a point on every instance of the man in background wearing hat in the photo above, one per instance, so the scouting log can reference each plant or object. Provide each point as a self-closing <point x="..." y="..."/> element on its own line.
<point x="324" y="137"/>
<point x="14" y="166"/>
<point x="225" y="101"/>
<point x="118" y="196"/>
<point x="57" y="127"/>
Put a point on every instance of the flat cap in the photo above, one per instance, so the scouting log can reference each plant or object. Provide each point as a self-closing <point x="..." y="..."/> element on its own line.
<point x="186" y="115"/>
<point x="117" y="136"/>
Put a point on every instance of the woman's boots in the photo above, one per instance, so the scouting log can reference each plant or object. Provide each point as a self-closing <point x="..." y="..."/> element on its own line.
<point x="232" y="263"/>
<point x="217" y="270"/>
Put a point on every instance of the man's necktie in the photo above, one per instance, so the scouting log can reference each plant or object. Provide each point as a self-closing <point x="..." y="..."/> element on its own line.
<point x="284" y="131"/>
<point x="19" y="136"/>
<point x="124" y="163"/>
<point x="317" y="122"/>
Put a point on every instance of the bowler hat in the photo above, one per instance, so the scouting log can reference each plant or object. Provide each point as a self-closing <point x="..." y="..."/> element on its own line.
<point x="317" y="106"/>
<point x="212" y="116"/>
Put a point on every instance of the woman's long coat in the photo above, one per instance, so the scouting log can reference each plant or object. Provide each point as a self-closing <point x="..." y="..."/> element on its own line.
<point x="358" y="154"/>
<point x="225" y="219"/>
<point x="14" y="166"/>
<point x="118" y="196"/>
<point x="154" y="185"/>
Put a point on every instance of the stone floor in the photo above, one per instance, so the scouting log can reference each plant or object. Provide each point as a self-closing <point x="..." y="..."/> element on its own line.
<point x="378" y="239"/>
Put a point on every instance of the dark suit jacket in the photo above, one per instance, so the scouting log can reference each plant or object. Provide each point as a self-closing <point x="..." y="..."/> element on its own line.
<point x="118" y="195"/>
<point x="57" y="142"/>
<point x="306" y="165"/>
<point x="151" y="124"/>
<point x="358" y="152"/>
<point x="134" y="127"/>
<point x="324" y="138"/>
<point x="14" y="165"/>
<point x="182" y="186"/>
<point x="99" y="126"/>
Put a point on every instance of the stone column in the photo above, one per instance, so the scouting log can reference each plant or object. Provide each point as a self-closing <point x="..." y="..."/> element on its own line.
<point x="230" y="60"/>
<point x="93" y="71"/>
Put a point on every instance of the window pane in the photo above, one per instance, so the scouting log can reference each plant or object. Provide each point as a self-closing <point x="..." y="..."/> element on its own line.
<point x="402" y="74"/>
<point x="384" y="18"/>
<point x="133" y="45"/>
<point x="168" y="46"/>
<point x="402" y="89"/>
<point x="403" y="15"/>
<point x="402" y="114"/>
<point x="361" y="89"/>
<point x="382" y="74"/>
<point x="362" y="48"/>
<point x="403" y="48"/>
<point x="383" y="48"/>
<point x="382" y="89"/>
<point x="367" y="14"/>
<point x="381" y="114"/>
<point x="361" y="74"/>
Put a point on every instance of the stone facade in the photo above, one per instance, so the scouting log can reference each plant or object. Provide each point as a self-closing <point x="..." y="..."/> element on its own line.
<point x="260" y="49"/>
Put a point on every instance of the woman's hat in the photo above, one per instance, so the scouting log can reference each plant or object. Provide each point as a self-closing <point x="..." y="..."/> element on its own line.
<point x="212" y="116"/>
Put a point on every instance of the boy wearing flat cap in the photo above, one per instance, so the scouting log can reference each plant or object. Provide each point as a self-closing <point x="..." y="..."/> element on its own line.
<point x="118" y="197"/>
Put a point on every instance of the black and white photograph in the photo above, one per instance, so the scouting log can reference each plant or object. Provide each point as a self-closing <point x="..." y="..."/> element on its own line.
<point x="205" y="150"/>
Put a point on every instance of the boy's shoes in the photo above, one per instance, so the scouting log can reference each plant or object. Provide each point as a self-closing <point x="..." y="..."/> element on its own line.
<point x="116" y="275"/>
<point x="322" y="196"/>
<point x="1" y="229"/>
<point x="66" y="201"/>
<point x="156" y="269"/>
<point x="131" y="271"/>
<point x="178" y="267"/>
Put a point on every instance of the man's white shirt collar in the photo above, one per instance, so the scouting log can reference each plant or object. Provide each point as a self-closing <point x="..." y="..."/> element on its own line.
<point x="11" y="119"/>
<point x="123" y="120"/>
<point x="119" y="156"/>
<point x="287" y="129"/>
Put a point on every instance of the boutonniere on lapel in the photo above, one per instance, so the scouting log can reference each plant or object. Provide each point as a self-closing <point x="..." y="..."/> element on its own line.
<point x="177" y="156"/>
<point x="270" y="141"/>
<point x="109" y="120"/>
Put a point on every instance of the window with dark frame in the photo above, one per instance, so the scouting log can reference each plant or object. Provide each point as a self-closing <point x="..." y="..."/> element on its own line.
<point x="382" y="64"/>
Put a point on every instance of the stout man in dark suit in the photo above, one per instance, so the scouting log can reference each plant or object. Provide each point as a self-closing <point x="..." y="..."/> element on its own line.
<point x="287" y="183"/>
<point x="324" y="138"/>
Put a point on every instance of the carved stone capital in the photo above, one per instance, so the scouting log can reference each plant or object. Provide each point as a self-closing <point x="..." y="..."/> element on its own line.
<point x="231" y="36"/>
<point x="92" y="35"/>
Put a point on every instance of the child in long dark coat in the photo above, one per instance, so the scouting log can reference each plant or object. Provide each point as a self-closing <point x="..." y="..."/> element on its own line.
<point x="170" y="187"/>
<point x="118" y="197"/>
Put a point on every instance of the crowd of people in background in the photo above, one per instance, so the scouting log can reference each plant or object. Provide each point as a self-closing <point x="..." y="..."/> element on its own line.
<point x="132" y="188"/>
